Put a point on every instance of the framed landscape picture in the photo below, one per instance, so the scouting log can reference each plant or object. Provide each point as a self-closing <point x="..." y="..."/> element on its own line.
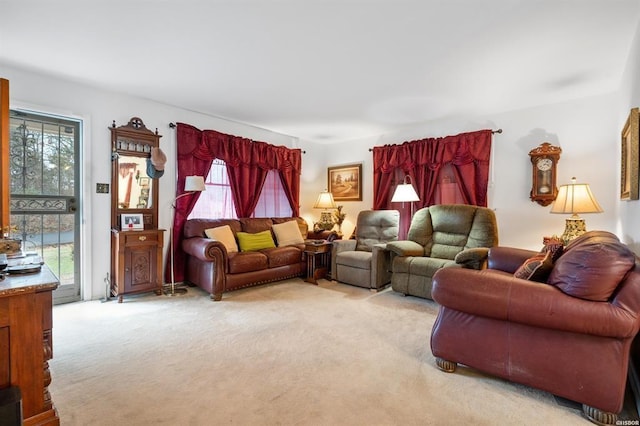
<point x="630" y="157"/>
<point x="345" y="182"/>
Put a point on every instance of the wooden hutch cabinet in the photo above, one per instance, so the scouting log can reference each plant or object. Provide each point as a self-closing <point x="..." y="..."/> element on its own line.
<point x="136" y="241"/>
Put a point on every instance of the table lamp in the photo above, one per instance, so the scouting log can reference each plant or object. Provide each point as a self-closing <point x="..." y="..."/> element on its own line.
<point x="575" y="198"/>
<point x="325" y="201"/>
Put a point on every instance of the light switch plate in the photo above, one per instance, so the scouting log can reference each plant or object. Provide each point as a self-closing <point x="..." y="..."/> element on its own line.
<point x="102" y="188"/>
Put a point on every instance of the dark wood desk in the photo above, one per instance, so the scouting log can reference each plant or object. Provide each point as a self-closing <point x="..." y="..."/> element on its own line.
<point x="26" y="343"/>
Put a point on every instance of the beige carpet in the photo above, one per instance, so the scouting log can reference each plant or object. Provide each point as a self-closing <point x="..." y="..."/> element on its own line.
<point x="289" y="353"/>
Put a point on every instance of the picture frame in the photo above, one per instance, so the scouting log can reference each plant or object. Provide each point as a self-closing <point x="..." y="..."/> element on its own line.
<point x="131" y="221"/>
<point x="630" y="157"/>
<point x="345" y="182"/>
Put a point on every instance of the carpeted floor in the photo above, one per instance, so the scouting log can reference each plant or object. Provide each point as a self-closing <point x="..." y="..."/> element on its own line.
<point x="289" y="353"/>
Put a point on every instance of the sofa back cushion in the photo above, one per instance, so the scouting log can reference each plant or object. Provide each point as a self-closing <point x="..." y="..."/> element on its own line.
<point x="376" y="227"/>
<point x="592" y="266"/>
<point x="197" y="227"/>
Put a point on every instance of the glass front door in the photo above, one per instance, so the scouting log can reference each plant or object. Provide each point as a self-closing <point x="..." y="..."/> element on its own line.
<point x="45" y="210"/>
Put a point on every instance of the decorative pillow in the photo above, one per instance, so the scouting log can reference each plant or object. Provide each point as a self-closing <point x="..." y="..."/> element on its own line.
<point x="592" y="266"/>
<point x="536" y="268"/>
<point x="224" y="234"/>
<point x="254" y="242"/>
<point x="288" y="233"/>
<point x="555" y="245"/>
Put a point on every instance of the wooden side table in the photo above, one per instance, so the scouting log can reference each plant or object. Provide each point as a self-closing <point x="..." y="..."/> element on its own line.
<point x="318" y="255"/>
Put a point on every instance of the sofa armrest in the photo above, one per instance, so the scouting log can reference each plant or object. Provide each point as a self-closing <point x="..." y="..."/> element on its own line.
<point x="508" y="259"/>
<point x="380" y="266"/>
<point x="206" y="250"/>
<point x="473" y="258"/>
<point x="499" y="295"/>
<point x="405" y="248"/>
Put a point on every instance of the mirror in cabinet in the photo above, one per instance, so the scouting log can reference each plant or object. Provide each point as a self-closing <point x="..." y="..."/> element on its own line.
<point x="134" y="184"/>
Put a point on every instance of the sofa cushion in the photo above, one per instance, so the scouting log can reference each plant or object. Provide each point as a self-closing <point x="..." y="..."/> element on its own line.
<point x="224" y="234"/>
<point x="355" y="259"/>
<point x="288" y="233"/>
<point x="536" y="268"/>
<point x="247" y="262"/>
<point x="282" y="256"/>
<point x="422" y="266"/>
<point x="254" y="242"/>
<point x="592" y="266"/>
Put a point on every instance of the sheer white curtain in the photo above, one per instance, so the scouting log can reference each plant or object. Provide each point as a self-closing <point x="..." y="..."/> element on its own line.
<point x="217" y="202"/>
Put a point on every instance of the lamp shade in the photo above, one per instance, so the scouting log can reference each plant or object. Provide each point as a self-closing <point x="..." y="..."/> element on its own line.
<point x="405" y="192"/>
<point x="325" y="201"/>
<point x="575" y="198"/>
<point x="194" y="184"/>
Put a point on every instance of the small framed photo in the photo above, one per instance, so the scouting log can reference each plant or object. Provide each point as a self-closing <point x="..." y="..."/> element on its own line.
<point x="630" y="157"/>
<point x="345" y="182"/>
<point x="131" y="221"/>
<point x="144" y="182"/>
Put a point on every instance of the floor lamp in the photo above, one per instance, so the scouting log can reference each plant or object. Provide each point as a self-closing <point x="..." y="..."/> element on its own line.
<point x="405" y="192"/>
<point x="191" y="184"/>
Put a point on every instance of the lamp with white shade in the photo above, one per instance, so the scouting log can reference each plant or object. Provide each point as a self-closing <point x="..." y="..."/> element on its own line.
<point x="575" y="198"/>
<point x="405" y="192"/>
<point x="191" y="184"/>
<point x="325" y="201"/>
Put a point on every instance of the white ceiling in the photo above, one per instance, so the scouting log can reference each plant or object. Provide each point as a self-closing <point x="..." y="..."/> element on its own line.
<point x="325" y="70"/>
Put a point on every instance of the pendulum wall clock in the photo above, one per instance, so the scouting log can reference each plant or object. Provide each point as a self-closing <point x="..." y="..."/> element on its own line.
<point x="544" y="161"/>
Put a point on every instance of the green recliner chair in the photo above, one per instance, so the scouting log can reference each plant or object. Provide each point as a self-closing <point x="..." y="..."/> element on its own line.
<point x="441" y="236"/>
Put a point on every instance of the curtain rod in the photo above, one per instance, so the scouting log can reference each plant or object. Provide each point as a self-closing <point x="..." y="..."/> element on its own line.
<point x="492" y="132"/>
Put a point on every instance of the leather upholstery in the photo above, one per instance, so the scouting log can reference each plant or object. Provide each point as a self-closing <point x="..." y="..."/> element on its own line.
<point x="534" y="333"/>
<point x="441" y="236"/>
<point x="211" y="268"/>
<point x="364" y="261"/>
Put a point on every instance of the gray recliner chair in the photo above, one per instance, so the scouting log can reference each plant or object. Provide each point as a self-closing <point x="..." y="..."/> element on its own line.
<point x="441" y="236"/>
<point x="365" y="262"/>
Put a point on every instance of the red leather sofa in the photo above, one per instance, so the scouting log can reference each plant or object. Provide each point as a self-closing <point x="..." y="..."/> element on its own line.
<point x="570" y="336"/>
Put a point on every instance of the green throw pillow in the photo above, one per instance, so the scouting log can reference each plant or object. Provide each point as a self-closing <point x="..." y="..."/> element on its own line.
<point x="253" y="242"/>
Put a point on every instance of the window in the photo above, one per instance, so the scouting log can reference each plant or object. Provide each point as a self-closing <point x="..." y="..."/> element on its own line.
<point x="217" y="202"/>
<point x="273" y="202"/>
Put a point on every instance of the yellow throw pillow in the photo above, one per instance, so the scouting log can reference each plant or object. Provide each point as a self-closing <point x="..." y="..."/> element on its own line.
<point x="224" y="234"/>
<point x="288" y="233"/>
<point x="254" y="242"/>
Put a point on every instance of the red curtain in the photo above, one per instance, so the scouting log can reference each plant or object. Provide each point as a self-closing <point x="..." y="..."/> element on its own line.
<point x="467" y="153"/>
<point x="247" y="164"/>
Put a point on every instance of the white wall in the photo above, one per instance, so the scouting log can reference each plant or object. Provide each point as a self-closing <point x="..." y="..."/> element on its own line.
<point x="98" y="108"/>
<point x="585" y="129"/>
<point x="629" y="211"/>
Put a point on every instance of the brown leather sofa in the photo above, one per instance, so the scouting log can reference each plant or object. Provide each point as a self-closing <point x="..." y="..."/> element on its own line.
<point x="570" y="336"/>
<point x="210" y="267"/>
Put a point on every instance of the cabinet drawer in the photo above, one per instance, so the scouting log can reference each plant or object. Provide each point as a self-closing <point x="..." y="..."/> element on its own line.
<point x="140" y="238"/>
